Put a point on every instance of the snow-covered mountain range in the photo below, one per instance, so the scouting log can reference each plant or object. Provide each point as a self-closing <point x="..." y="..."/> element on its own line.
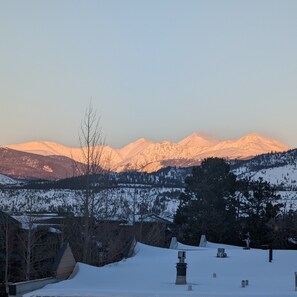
<point x="148" y="156"/>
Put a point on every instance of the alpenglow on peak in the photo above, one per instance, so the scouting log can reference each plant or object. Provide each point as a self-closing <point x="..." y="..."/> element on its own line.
<point x="146" y="155"/>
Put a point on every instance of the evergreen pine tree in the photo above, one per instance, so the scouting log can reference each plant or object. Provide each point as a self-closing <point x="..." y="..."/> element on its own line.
<point x="208" y="204"/>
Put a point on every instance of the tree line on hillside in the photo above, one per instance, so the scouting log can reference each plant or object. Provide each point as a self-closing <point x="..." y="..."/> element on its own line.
<point x="225" y="209"/>
<point x="269" y="160"/>
<point x="167" y="177"/>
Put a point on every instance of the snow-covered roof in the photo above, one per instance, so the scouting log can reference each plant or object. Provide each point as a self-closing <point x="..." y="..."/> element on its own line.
<point x="152" y="218"/>
<point x="35" y="221"/>
<point x="152" y="272"/>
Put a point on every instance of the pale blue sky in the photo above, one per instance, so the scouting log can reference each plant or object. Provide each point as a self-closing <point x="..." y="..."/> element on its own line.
<point x="159" y="69"/>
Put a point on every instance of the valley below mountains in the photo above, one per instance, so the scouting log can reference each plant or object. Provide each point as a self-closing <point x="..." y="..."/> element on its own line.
<point x="156" y="193"/>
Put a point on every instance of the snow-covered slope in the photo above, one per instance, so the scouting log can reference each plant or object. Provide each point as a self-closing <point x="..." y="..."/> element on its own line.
<point x="279" y="169"/>
<point x="46" y="148"/>
<point x="246" y="147"/>
<point x="145" y="155"/>
<point x="151" y="273"/>
<point x="5" y="180"/>
<point x="134" y="148"/>
<point x="122" y="200"/>
<point x="285" y="176"/>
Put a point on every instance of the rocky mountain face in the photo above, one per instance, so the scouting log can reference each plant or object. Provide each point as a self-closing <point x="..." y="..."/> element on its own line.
<point x="147" y="156"/>
<point x="22" y="165"/>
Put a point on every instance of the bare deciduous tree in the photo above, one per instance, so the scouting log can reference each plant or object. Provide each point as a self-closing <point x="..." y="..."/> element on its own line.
<point x="27" y="238"/>
<point x="92" y="145"/>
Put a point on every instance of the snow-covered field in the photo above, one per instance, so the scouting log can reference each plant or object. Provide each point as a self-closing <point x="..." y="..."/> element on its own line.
<point x="151" y="273"/>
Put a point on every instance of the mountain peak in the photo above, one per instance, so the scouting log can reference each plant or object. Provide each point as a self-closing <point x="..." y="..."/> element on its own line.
<point x="198" y="140"/>
<point x="142" y="140"/>
<point x="134" y="148"/>
<point x="263" y="142"/>
<point x="254" y="136"/>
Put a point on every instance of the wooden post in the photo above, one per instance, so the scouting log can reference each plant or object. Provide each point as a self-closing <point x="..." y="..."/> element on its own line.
<point x="270" y="254"/>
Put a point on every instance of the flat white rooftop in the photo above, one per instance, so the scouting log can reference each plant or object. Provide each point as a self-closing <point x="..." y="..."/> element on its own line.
<point x="152" y="272"/>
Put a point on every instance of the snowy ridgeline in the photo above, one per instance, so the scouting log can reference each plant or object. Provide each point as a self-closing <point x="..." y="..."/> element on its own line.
<point x="111" y="203"/>
<point x="152" y="272"/>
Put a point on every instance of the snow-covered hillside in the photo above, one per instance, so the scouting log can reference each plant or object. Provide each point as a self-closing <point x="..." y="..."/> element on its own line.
<point x="151" y="273"/>
<point x="5" y="180"/>
<point x="279" y="169"/>
<point x="285" y="176"/>
<point x="119" y="201"/>
<point x="111" y="203"/>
